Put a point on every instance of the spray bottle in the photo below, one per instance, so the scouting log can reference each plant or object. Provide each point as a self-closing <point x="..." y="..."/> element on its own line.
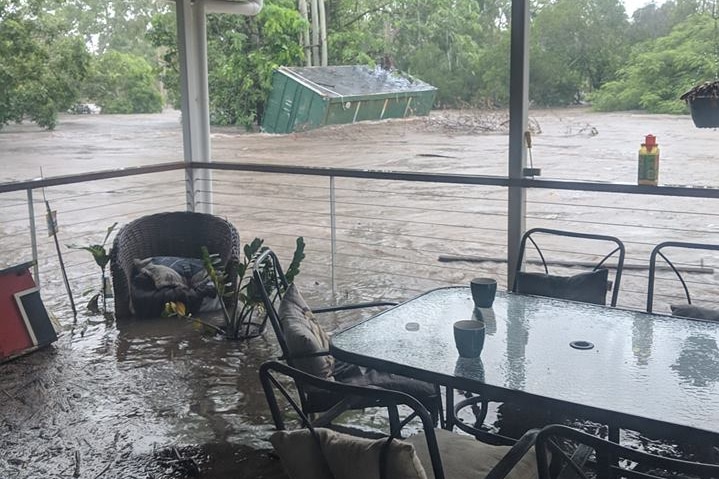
<point x="648" y="173"/>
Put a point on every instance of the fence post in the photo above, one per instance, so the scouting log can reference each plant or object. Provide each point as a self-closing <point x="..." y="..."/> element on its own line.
<point x="333" y="236"/>
<point x="33" y="235"/>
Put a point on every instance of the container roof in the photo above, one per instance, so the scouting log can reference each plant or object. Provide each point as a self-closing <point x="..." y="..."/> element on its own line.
<point x="355" y="80"/>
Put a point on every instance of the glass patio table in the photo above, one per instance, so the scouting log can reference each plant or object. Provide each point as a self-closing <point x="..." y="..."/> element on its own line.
<point x="647" y="372"/>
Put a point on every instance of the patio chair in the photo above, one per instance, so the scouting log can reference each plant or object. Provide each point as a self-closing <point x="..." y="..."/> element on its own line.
<point x="588" y="287"/>
<point x="325" y="449"/>
<point x="556" y="448"/>
<point x="305" y="345"/>
<point x="179" y="234"/>
<point x="688" y="309"/>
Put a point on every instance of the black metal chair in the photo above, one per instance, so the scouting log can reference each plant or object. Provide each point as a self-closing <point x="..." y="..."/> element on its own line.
<point x="661" y="250"/>
<point x="270" y="283"/>
<point x="556" y="448"/>
<point x="586" y="287"/>
<point x="443" y="453"/>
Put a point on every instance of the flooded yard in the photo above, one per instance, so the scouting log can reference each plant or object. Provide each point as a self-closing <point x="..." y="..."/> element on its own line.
<point x="161" y="399"/>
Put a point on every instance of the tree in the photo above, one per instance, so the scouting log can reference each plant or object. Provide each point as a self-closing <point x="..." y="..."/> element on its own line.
<point x="577" y="46"/>
<point x="242" y="54"/>
<point x="123" y="83"/>
<point x="119" y="25"/>
<point x="444" y="42"/>
<point x="661" y="70"/>
<point x="41" y="65"/>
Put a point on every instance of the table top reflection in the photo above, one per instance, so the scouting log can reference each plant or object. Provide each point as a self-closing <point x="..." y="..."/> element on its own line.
<point x="641" y="365"/>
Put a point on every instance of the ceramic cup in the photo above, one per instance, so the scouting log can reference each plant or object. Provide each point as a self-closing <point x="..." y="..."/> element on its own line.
<point x="469" y="337"/>
<point x="483" y="291"/>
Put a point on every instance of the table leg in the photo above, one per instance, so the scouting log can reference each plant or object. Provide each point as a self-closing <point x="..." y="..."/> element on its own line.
<point x="449" y="422"/>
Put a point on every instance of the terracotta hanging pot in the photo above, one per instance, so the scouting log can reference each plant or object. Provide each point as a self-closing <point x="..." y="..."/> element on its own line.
<point x="703" y="101"/>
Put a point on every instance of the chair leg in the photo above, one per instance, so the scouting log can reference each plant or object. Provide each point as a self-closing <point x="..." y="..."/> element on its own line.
<point x="450" y="419"/>
<point x="395" y="424"/>
<point x="437" y="412"/>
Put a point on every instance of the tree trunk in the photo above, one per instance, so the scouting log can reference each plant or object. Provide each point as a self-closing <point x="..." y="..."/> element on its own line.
<point x="305" y="35"/>
<point x="314" y="15"/>
<point x="323" y="33"/>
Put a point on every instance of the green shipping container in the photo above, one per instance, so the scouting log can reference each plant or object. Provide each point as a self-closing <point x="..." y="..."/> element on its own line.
<point x="303" y="98"/>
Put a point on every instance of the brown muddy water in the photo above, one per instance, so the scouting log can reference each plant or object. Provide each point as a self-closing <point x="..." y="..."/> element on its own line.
<point x="162" y="399"/>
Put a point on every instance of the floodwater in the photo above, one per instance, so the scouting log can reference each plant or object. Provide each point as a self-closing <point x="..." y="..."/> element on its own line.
<point x="154" y="399"/>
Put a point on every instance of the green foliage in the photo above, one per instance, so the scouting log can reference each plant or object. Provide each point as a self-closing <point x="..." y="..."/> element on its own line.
<point x="294" y="268"/>
<point x="242" y="301"/>
<point x="102" y="258"/>
<point x="123" y="83"/>
<point x="42" y="65"/>
<point x="580" y="49"/>
<point x="663" y="69"/>
<point x="577" y="46"/>
<point x="242" y="54"/>
<point x="163" y="37"/>
<point x="111" y="25"/>
<point x="99" y="254"/>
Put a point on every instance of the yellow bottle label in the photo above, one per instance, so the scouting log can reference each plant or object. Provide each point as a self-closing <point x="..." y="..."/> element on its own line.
<point x="648" y="173"/>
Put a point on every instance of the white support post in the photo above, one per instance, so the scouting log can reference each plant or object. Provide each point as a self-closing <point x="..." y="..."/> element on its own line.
<point x="192" y="43"/>
<point x="518" y="113"/>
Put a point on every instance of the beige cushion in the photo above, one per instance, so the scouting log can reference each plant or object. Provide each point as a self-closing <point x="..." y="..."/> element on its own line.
<point x="464" y="456"/>
<point x="299" y="454"/>
<point x="304" y="335"/>
<point x="694" y="311"/>
<point x="347" y="457"/>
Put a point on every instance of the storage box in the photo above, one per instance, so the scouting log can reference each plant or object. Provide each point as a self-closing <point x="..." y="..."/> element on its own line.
<point x="24" y="322"/>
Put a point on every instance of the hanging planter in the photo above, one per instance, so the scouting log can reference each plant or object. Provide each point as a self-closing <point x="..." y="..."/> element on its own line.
<point x="703" y="101"/>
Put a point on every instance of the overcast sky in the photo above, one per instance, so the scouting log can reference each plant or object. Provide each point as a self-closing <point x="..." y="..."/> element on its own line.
<point x="631" y="5"/>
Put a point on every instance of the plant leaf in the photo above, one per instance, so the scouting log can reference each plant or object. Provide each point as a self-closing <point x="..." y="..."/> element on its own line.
<point x="294" y="269"/>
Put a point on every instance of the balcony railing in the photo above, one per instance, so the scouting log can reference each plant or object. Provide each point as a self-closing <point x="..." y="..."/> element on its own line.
<point x="369" y="234"/>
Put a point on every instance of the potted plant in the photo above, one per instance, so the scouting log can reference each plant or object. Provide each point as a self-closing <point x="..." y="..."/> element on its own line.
<point x="242" y="309"/>
<point x="703" y="101"/>
<point x="102" y="258"/>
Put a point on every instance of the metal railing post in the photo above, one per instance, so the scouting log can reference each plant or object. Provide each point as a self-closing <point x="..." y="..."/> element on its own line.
<point x="333" y="236"/>
<point x="33" y="235"/>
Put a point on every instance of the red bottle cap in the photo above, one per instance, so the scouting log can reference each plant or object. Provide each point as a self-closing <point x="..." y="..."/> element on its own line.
<point x="650" y="141"/>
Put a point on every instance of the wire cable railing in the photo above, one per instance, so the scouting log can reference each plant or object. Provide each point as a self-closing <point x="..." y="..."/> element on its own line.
<point x="400" y="232"/>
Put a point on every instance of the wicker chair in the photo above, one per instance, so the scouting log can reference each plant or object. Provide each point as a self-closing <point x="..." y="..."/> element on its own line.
<point x="179" y="234"/>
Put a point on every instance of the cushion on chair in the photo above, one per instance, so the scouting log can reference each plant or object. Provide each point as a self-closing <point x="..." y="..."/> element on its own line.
<point x="159" y="280"/>
<point x="464" y="456"/>
<point x="589" y="287"/>
<point x="696" y="312"/>
<point x="343" y="456"/>
<point x="162" y="276"/>
<point x="420" y="390"/>
<point x="321" y="400"/>
<point x="300" y="456"/>
<point x="304" y="336"/>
